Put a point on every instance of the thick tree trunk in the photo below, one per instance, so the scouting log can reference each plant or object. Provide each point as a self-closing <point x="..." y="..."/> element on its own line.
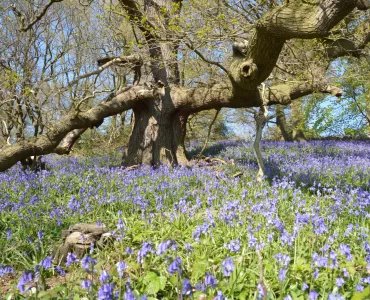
<point x="156" y="138"/>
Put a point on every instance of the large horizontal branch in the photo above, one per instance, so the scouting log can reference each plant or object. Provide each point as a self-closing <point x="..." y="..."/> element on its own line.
<point x="305" y="20"/>
<point x="68" y="142"/>
<point x="286" y="93"/>
<point x="363" y="4"/>
<point x="192" y="100"/>
<point x="220" y="95"/>
<point x="296" y="20"/>
<point x="188" y="101"/>
<point x="46" y="143"/>
<point x="345" y="47"/>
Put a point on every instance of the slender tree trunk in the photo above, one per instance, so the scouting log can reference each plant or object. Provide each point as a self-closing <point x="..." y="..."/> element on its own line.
<point x="368" y="116"/>
<point x="282" y="123"/>
<point x="113" y="129"/>
<point x="296" y="119"/>
<point x="122" y="123"/>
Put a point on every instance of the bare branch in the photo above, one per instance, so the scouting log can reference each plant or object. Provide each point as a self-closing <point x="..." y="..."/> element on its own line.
<point x="37" y="18"/>
<point x="215" y="63"/>
<point x="209" y="132"/>
<point x="131" y="59"/>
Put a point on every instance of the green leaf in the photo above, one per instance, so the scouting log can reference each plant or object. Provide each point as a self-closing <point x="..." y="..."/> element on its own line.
<point x="48" y="294"/>
<point x="151" y="276"/>
<point x="364" y="295"/>
<point x="162" y="282"/>
<point x="199" y="270"/>
<point x="153" y="286"/>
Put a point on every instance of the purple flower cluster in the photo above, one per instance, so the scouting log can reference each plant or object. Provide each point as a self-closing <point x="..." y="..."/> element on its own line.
<point x="200" y="224"/>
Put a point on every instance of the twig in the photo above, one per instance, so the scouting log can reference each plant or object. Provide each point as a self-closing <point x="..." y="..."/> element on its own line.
<point x="36" y="19"/>
<point x="209" y="132"/>
<point x="215" y="63"/>
<point x="77" y="107"/>
<point x="261" y="281"/>
<point x="125" y="59"/>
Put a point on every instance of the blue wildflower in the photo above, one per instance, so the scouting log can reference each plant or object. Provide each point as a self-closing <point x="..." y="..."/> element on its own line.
<point x="46" y="263"/>
<point x="104" y="276"/>
<point x="88" y="263"/>
<point x="40" y="234"/>
<point x="339" y="282"/>
<point x="86" y="284"/>
<point x="283" y="259"/>
<point x="187" y="289"/>
<point x="129" y="295"/>
<point x="175" y="266"/>
<point x="120" y="224"/>
<point x="228" y="266"/>
<point x="219" y="296"/>
<point x="60" y="271"/>
<point x="71" y="258"/>
<point x="144" y="251"/>
<point x="106" y="291"/>
<point x="26" y="278"/>
<point x="313" y="295"/>
<point x="4" y="270"/>
<point x="129" y="251"/>
<point x="188" y="247"/>
<point x="282" y="274"/>
<point x="359" y="288"/>
<point x="316" y="274"/>
<point x="261" y="291"/>
<point x="210" y="280"/>
<point x="233" y="245"/>
<point x="121" y="267"/>
<point x="163" y="246"/>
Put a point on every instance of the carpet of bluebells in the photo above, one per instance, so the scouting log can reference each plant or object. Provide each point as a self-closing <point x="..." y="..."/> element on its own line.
<point x="194" y="233"/>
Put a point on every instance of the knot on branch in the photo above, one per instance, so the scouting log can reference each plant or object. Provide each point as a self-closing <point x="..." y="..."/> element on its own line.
<point x="335" y="91"/>
<point x="240" y="48"/>
<point x="159" y="89"/>
<point x="134" y="59"/>
<point x="248" y="69"/>
<point x="261" y="116"/>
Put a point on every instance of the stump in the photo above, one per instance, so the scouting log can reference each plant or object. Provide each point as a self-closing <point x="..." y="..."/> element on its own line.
<point x="78" y="239"/>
